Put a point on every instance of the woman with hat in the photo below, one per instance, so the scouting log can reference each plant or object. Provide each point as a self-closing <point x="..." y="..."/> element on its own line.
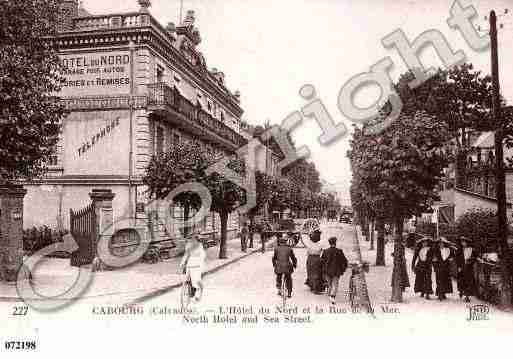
<point x="443" y="255"/>
<point x="466" y="258"/>
<point x="422" y="267"/>
<point x="314" y="278"/>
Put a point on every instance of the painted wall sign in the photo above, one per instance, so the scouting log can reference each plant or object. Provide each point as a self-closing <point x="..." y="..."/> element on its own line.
<point x="96" y="143"/>
<point x="96" y="73"/>
<point x="99" y="135"/>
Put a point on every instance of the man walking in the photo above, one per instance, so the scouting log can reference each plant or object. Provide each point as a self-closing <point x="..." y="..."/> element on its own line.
<point x="244" y="237"/>
<point x="334" y="264"/>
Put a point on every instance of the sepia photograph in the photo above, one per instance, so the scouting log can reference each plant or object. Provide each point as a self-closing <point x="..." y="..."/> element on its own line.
<point x="228" y="177"/>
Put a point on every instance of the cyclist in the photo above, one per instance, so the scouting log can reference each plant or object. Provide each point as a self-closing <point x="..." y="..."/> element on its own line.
<point x="193" y="263"/>
<point x="284" y="262"/>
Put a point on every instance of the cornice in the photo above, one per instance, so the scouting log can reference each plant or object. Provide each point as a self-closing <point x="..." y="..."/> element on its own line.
<point x="150" y="36"/>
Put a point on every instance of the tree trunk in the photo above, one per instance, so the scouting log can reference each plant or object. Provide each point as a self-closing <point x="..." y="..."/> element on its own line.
<point x="461" y="168"/>
<point x="186" y="228"/>
<point x="380" y="252"/>
<point x="364" y="224"/>
<point x="371" y="228"/>
<point x="251" y="229"/>
<point x="506" y="296"/>
<point x="224" y="229"/>
<point x="399" y="274"/>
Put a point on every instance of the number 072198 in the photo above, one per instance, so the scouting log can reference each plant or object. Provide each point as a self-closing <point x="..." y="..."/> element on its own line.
<point x="20" y="345"/>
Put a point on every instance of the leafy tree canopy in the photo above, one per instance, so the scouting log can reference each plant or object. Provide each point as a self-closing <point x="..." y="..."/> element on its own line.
<point x="29" y="79"/>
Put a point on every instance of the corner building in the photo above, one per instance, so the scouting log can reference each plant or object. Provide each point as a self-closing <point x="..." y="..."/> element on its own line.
<point x="133" y="88"/>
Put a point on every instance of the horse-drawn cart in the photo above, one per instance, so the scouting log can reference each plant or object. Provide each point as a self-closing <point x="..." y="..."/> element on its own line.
<point x="292" y="229"/>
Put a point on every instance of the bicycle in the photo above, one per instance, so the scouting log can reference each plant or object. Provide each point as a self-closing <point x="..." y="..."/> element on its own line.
<point x="283" y="292"/>
<point x="187" y="293"/>
<point x="356" y="269"/>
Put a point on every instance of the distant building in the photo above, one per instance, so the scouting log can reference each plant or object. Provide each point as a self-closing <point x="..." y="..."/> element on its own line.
<point x="133" y="87"/>
<point x="475" y="187"/>
<point x="267" y="156"/>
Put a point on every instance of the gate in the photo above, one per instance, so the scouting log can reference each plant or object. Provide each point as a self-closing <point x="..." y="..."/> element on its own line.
<point x="83" y="228"/>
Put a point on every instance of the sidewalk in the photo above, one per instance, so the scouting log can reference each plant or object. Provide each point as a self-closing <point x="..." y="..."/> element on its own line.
<point x="380" y="291"/>
<point x="53" y="276"/>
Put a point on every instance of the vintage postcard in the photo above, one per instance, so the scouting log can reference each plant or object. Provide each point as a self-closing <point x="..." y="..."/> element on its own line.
<point x="175" y="173"/>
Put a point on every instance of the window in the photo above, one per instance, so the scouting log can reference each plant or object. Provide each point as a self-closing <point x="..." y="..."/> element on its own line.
<point x="160" y="140"/>
<point x="222" y="116"/>
<point x="176" y="138"/>
<point x="53" y="160"/>
<point x="210" y="149"/>
<point x="160" y="74"/>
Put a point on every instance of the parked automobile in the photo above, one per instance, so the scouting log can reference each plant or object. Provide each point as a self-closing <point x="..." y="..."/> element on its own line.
<point x="345" y="219"/>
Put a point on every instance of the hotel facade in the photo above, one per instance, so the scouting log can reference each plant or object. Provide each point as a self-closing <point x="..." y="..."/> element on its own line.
<point x="133" y="88"/>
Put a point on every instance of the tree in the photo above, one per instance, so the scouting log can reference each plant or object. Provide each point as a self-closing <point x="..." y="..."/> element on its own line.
<point x="305" y="174"/>
<point x="368" y="203"/>
<point x="226" y="197"/>
<point x="186" y="163"/>
<point x="31" y="113"/>
<point x="266" y="190"/>
<point x="480" y="225"/>
<point x="459" y="97"/>
<point x="182" y="163"/>
<point x="400" y="169"/>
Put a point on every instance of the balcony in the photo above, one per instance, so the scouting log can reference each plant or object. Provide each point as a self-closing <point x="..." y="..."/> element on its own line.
<point x="168" y="98"/>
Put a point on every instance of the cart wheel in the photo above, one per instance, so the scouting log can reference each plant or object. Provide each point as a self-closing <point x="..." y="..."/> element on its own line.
<point x="310" y="225"/>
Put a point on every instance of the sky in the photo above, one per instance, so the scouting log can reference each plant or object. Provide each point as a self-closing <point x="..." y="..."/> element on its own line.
<point x="269" y="49"/>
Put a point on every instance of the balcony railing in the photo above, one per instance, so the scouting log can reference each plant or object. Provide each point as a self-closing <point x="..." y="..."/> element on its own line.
<point x="110" y="21"/>
<point x="160" y="94"/>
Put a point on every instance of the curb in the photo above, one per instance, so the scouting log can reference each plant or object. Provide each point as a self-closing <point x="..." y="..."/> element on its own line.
<point x="153" y="292"/>
<point x="167" y="289"/>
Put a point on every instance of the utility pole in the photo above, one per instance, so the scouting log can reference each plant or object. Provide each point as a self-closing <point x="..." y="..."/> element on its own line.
<point x="499" y="169"/>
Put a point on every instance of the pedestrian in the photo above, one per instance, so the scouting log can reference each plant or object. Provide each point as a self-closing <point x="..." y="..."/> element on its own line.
<point x="284" y="262"/>
<point x="442" y="258"/>
<point x="422" y="265"/>
<point x="193" y="263"/>
<point x="400" y="270"/>
<point x="244" y="237"/>
<point x="334" y="264"/>
<point x="314" y="275"/>
<point x="264" y="229"/>
<point x="465" y="258"/>
<point x="252" y="231"/>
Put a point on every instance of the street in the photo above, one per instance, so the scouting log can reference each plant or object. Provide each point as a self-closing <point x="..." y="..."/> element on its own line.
<point x="252" y="280"/>
<point x="243" y="293"/>
<point x="251" y="283"/>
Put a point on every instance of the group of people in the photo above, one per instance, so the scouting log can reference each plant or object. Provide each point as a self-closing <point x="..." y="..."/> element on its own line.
<point x="447" y="260"/>
<point x="247" y="232"/>
<point x="324" y="266"/>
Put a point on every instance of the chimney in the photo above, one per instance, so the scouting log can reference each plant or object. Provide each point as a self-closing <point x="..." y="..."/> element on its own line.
<point x="68" y="9"/>
<point x="189" y="18"/>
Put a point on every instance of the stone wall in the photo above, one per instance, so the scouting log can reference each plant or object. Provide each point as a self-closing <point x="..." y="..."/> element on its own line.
<point x="11" y="225"/>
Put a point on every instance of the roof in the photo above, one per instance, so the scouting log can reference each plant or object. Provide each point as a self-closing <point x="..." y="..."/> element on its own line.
<point x="487" y="141"/>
